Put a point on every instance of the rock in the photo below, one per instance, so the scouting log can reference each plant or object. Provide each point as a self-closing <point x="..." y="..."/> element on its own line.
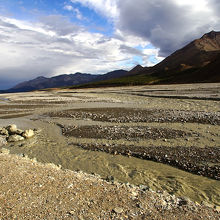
<point x="12" y="129"/>
<point x="110" y="179"/>
<point x="207" y="204"/>
<point x="144" y="188"/>
<point x="28" y="133"/>
<point x="118" y="210"/>
<point x="183" y="201"/>
<point x="19" y="131"/>
<point x="4" y="151"/>
<point x="15" y="138"/>
<point x="2" y="141"/>
<point x="217" y="208"/>
<point x="3" y="131"/>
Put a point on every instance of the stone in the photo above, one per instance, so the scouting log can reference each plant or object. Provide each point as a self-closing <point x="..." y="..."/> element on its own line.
<point x="207" y="204"/>
<point x="3" y="131"/>
<point x="5" y="151"/>
<point x="12" y="129"/>
<point x="110" y="179"/>
<point x="15" y="138"/>
<point x="118" y="210"/>
<point x="183" y="201"/>
<point x="28" y="133"/>
<point x="2" y="141"/>
<point x="144" y="188"/>
<point x="19" y="132"/>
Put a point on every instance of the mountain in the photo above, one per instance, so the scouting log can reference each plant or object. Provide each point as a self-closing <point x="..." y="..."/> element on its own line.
<point x="196" y="54"/>
<point x="136" y="70"/>
<point x="53" y="82"/>
<point x="198" y="61"/>
<point x="112" y="75"/>
<point x="64" y="81"/>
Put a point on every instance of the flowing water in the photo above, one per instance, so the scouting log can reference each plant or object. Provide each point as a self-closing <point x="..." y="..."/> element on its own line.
<point x="3" y="100"/>
<point x="49" y="146"/>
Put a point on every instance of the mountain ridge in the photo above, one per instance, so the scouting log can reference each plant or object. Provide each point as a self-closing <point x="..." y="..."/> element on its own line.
<point x="63" y="80"/>
<point x="198" y="61"/>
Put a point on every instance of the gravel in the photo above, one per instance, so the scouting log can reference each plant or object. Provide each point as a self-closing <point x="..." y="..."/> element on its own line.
<point x="123" y="115"/>
<point x="201" y="161"/>
<point x="122" y="132"/>
<point x="53" y="193"/>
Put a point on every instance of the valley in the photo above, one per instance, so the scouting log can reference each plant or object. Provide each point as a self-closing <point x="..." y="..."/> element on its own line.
<point x="163" y="137"/>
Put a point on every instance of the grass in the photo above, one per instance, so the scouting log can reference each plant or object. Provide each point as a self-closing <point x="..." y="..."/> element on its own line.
<point x="161" y="77"/>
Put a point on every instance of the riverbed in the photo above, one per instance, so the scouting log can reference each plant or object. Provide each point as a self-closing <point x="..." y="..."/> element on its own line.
<point x="33" y="110"/>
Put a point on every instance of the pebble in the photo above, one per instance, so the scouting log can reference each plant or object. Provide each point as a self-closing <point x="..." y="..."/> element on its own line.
<point x="118" y="210"/>
<point x="2" y="141"/>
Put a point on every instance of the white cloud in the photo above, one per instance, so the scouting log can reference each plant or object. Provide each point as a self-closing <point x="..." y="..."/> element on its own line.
<point x="168" y="24"/>
<point x="107" y="8"/>
<point x="78" y="14"/>
<point x="75" y="10"/>
<point x="68" y="8"/>
<point x="55" y="46"/>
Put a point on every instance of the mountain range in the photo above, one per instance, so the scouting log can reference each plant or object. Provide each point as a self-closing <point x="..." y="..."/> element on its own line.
<point x="199" y="61"/>
<point x="64" y="80"/>
<point x="199" y="55"/>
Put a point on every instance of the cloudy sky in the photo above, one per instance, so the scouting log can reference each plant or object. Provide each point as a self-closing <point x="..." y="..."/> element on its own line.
<point x="52" y="37"/>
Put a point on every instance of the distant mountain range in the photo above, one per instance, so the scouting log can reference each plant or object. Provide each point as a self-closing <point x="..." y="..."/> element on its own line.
<point x="199" y="61"/>
<point x="63" y="81"/>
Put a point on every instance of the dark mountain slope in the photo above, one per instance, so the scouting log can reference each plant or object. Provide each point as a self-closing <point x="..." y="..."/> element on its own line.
<point x="196" y="54"/>
<point x="199" y="61"/>
<point x="112" y="75"/>
<point x="53" y="82"/>
<point x="64" y="81"/>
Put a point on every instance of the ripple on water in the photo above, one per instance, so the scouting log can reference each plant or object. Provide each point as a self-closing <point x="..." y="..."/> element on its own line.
<point x="52" y="147"/>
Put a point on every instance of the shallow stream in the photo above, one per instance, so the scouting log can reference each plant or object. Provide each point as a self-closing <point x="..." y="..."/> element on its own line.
<point x="49" y="146"/>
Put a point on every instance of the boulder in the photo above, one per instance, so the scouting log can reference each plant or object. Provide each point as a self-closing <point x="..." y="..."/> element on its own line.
<point x="2" y="141"/>
<point x="3" y="131"/>
<point x="15" y="138"/>
<point x="12" y="129"/>
<point x="19" y="132"/>
<point x="28" y="133"/>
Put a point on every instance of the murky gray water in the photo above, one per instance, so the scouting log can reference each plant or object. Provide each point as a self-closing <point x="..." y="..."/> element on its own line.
<point x="3" y="100"/>
<point x="50" y="146"/>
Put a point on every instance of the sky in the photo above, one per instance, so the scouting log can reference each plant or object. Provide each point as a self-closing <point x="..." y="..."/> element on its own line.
<point x="53" y="37"/>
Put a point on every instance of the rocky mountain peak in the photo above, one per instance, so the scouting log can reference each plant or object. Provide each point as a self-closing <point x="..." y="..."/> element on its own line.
<point x="209" y="41"/>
